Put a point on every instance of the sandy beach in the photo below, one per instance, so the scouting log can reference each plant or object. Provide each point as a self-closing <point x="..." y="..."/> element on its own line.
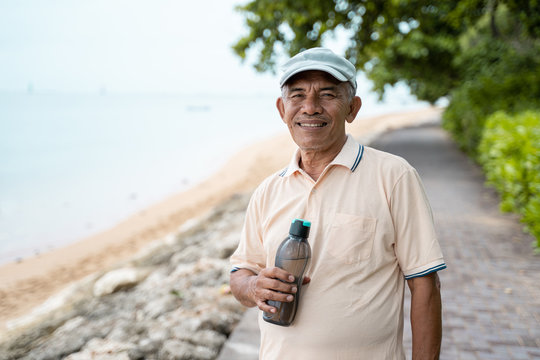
<point x="28" y="283"/>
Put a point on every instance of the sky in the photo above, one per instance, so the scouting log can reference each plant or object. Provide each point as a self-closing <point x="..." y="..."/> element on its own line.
<point x="122" y="46"/>
<point x="132" y="46"/>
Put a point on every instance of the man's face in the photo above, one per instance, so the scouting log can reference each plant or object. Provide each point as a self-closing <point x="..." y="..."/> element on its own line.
<point x="315" y="107"/>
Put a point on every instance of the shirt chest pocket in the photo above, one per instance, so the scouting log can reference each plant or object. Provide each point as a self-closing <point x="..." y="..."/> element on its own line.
<point x="351" y="237"/>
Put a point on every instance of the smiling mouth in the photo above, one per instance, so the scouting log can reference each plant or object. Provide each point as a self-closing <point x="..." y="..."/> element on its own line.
<point x="312" y="125"/>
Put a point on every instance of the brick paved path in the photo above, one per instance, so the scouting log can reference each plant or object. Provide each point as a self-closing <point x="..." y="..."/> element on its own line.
<point x="491" y="289"/>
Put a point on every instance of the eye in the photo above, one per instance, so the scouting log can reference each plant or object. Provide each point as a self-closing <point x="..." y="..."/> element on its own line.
<point x="328" y="95"/>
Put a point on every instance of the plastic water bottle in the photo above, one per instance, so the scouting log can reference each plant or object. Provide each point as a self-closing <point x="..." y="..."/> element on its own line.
<point x="293" y="255"/>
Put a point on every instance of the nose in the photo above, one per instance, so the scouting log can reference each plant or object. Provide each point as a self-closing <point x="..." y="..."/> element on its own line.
<point x="312" y="105"/>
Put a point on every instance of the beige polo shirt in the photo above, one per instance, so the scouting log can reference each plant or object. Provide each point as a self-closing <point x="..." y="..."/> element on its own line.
<point x="372" y="228"/>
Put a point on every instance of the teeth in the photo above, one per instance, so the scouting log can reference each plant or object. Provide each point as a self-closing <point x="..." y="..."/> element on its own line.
<point x="313" y="125"/>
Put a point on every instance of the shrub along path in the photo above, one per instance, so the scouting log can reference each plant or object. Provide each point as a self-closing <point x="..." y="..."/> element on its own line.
<point x="491" y="291"/>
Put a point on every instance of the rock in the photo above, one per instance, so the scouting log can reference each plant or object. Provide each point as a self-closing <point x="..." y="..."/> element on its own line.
<point x="122" y="331"/>
<point x="118" y="279"/>
<point x="157" y="334"/>
<point x="227" y="245"/>
<point x="139" y="354"/>
<point x="180" y="350"/>
<point x="161" y="305"/>
<point x="67" y="339"/>
<point x="206" y="338"/>
<point x="188" y="255"/>
<point x="219" y="321"/>
<point x="185" y="329"/>
<point x="185" y="270"/>
<point x="148" y="346"/>
<point x="209" y="339"/>
<point x="154" y="281"/>
<point x="174" y="309"/>
<point x="102" y="349"/>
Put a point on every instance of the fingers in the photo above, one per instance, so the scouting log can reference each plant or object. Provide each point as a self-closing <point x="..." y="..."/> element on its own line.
<point x="270" y="305"/>
<point x="277" y="273"/>
<point x="273" y="284"/>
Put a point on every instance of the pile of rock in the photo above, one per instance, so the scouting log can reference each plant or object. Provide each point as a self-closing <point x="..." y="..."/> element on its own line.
<point x="172" y="302"/>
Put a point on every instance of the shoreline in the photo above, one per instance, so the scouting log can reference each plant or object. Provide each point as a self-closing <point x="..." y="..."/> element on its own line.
<point x="27" y="284"/>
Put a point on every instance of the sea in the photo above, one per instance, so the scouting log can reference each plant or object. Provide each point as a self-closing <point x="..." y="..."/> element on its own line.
<point x="73" y="165"/>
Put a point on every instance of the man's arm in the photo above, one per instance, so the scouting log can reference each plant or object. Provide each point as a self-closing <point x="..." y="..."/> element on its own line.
<point x="426" y="322"/>
<point x="251" y="289"/>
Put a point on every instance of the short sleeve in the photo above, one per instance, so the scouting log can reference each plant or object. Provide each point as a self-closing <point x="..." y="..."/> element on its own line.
<point x="417" y="248"/>
<point x="250" y="252"/>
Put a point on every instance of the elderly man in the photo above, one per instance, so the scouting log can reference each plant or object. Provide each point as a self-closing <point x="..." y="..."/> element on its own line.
<point x="372" y="229"/>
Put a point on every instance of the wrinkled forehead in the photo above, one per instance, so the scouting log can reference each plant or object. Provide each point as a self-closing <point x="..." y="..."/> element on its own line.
<point x="312" y="76"/>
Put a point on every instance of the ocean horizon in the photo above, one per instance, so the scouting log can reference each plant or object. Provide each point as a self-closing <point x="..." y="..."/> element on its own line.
<point x="74" y="165"/>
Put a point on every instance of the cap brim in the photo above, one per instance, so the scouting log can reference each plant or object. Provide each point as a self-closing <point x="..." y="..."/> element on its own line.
<point x="327" y="69"/>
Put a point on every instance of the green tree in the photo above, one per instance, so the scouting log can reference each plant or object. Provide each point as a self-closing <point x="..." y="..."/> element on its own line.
<point x="418" y="42"/>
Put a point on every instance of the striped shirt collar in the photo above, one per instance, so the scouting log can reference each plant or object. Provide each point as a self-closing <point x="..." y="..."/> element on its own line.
<point x="350" y="156"/>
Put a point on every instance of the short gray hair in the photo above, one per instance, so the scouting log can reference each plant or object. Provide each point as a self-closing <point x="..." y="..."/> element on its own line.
<point x="351" y="91"/>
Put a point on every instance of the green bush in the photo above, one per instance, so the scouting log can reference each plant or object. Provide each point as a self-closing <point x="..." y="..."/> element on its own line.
<point x="509" y="152"/>
<point x="499" y="71"/>
<point x="510" y="82"/>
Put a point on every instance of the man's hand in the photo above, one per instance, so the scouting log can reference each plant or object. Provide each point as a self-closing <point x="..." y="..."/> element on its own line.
<point x="270" y="284"/>
<point x="426" y="320"/>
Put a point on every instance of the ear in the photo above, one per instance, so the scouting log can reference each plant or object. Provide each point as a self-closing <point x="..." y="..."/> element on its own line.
<point x="355" y="106"/>
<point x="280" y="107"/>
